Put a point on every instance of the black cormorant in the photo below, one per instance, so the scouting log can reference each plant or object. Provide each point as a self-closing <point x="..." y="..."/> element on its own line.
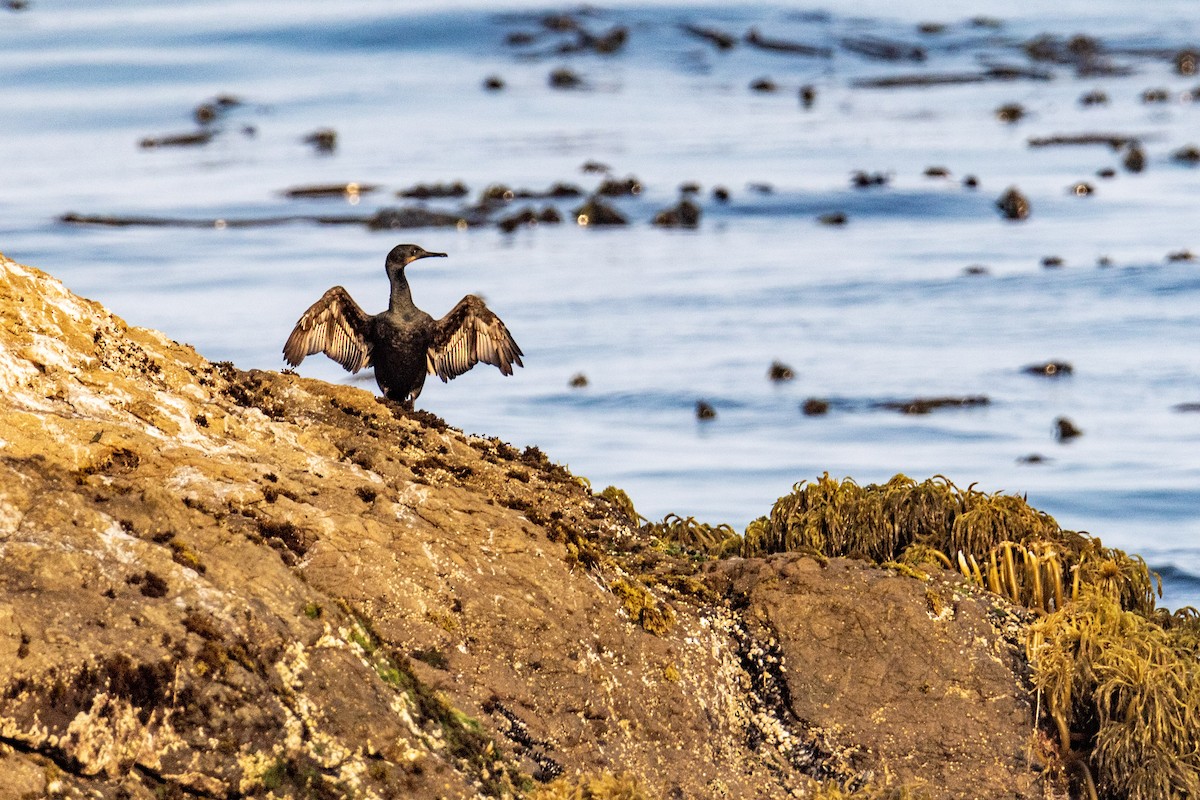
<point x="403" y="344"/>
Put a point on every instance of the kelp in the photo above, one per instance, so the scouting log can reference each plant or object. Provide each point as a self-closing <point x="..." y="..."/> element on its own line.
<point x="696" y="537"/>
<point x="1128" y="689"/>
<point x="996" y="540"/>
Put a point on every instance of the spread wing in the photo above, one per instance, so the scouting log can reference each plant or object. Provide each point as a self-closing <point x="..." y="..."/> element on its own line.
<point x="471" y="333"/>
<point x="335" y="326"/>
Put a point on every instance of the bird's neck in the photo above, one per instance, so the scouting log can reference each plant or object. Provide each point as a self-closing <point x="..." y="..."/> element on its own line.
<point x="401" y="299"/>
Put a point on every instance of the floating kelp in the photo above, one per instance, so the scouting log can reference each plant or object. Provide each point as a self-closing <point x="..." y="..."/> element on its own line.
<point x="564" y="78"/>
<point x="1049" y="369"/>
<point x="323" y="140"/>
<point x="383" y="219"/>
<point x="924" y="405"/>
<point x="528" y="217"/>
<point x="430" y="191"/>
<point x="995" y="73"/>
<point x="1014" y="205"/>
<point x="1010" y="112"/>
<point x="1065" y="430"/>
<point x="191" y="139"/>
<point x="1135" y="158"/>
<point x="756" y="39"/>
<point x="1188" y="154"/>
<point x="719" y="39"/>
<point x="780" y="372"/>
<point x="861" y="179"/>
<point x="684" y="215"/>
<point x="351" y="189"/>
<point x="1114" y="140"/>
<point x="815" y="407"/>
<point x="596" y="212"/>
<point x="883" y="49"/>
<point x="614" y="187"/>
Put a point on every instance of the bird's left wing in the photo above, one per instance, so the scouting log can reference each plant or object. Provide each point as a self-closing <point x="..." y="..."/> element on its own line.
<point x="471" y="333"/>
<point x="335" y="326"/>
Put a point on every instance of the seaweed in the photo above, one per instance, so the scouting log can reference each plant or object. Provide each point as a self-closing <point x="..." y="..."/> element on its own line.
<point x="997" y="540"/>
<point x="603" y="786"/>
<point x="1128" y="689"/>
<point x="642" y="606"/>
<point x="696" y="537"/>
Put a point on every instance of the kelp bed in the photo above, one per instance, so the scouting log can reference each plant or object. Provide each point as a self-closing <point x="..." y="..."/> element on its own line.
<point x="1117" y="679"/>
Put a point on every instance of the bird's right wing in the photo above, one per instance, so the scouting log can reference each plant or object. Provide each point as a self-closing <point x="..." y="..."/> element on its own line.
<point x="335" y="326"/>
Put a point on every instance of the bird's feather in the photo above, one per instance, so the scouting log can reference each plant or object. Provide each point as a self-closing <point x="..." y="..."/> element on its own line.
<point x="469" y="334"/>
<point x="335" y="326"/>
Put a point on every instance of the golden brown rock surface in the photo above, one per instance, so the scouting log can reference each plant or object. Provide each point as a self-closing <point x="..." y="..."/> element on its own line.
<point x="219" y="583"/>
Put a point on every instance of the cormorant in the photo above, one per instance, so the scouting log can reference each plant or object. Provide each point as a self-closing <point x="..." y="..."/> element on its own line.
<point x="403" y="344"/>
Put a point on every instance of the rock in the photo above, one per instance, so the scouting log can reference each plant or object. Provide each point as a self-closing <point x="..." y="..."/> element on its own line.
<point x="224" y="583"/>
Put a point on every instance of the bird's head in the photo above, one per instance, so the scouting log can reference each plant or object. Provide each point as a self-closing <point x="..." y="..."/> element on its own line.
<point x="404" y="254"/>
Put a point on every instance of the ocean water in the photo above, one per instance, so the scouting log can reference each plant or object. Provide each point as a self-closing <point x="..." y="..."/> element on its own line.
<point x="879" y="309"/>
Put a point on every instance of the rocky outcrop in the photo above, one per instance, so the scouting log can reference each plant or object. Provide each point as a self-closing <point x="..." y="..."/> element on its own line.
<point x="219" y="583"/>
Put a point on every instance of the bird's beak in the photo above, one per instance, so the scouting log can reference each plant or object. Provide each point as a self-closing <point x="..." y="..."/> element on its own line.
<point x="428" y="254"/>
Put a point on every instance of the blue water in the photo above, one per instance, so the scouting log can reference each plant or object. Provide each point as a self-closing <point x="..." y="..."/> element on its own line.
<point x="877" y="310"/>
